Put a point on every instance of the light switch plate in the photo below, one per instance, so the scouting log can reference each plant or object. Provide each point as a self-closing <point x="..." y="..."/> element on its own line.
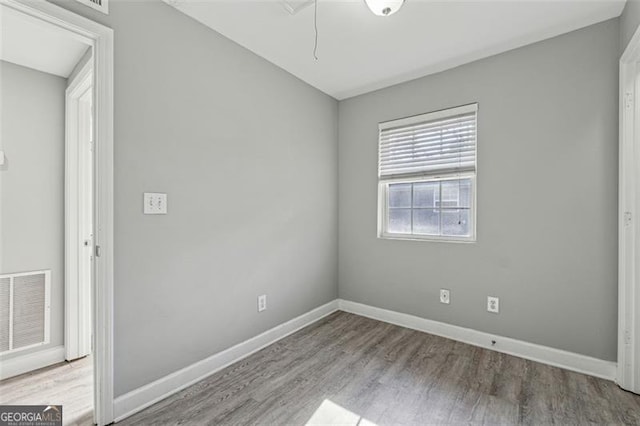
<point x="155" y="203"/>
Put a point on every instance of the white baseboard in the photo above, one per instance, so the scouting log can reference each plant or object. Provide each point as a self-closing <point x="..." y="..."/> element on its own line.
<point x="33" y="361"/>
<point x="544" y="354"/>
<point x="141" y="398"/>
<point x="145" y="396"/>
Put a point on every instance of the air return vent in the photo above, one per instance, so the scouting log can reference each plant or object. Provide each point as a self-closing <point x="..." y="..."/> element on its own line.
<point x="24" y="310"/>
<point x="101" y="5"/>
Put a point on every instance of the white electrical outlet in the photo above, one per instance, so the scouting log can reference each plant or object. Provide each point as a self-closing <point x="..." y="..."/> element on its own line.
<point x="445" y="296"/>
<point x="493" y="304"/>
<point x="155" y="203"/>
<point x="262" y="302"/>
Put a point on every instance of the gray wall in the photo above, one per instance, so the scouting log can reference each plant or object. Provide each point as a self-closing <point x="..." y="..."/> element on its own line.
<point x="248" y="156"/>
<point x="547" y="197"/>
<point x="32" y="182"/>
<point x="629" y="21"/>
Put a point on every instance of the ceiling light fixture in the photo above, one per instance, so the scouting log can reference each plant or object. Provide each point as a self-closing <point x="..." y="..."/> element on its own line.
<point x="384" y="7"/>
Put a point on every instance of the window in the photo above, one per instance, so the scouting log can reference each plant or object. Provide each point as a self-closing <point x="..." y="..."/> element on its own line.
<point x="427" y="176"/>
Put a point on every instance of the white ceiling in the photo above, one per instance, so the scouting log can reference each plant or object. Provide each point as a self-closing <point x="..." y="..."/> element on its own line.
<point x="27" y="42"/>
<point x="359" y="52"/>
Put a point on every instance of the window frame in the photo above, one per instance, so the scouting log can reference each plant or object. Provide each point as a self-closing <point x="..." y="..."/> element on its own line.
<point x="383" y="209"/>
<point x="384" y="182"/>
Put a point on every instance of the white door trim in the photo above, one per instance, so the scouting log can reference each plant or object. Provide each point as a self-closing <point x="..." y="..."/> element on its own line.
<point x="100" y="38"/>
<point x="628" y="375"/>
<point x="77" y="301"/>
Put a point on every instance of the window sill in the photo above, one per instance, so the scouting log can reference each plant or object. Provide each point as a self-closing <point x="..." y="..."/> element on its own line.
<point x="431" y="238"/>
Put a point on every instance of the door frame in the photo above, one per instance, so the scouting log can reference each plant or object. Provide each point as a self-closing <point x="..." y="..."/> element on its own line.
<point x="76" y="342"/>
<point x="100" y="38"/>
<point x="628" y="373"/>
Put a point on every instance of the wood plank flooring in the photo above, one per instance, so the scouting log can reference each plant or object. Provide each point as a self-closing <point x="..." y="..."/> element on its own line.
<point x="69" y="384"/>
<point x="350" y="370"/>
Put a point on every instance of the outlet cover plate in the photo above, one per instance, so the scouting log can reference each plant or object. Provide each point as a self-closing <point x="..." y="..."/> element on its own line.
<point x="445" y="296"/>
<point x="493" y="304"/>
<point x="262" y="302"/>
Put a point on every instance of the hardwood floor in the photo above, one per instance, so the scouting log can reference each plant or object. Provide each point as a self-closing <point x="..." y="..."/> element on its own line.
<point x="349" y="370"/>
<point x="69" y="384"/>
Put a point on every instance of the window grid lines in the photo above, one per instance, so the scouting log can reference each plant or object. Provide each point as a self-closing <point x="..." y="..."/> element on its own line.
<point x="440" y="212"/>
<point x="411" y="213"/>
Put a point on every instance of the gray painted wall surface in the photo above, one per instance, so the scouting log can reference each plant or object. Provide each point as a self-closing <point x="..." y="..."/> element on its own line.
<point x="547" y="197"/>
<point x="32" y="182"/>
<point x="248" y="156"/>
<point x="629" y="21"/>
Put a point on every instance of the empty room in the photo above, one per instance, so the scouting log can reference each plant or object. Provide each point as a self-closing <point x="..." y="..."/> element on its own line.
<point x="319" y="212"/>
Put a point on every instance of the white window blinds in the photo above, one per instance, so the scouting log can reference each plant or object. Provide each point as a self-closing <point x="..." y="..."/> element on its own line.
<point x="437" y="143"/>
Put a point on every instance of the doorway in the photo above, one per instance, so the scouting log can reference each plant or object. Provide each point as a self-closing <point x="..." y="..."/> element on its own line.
<point x="88" y="179"/>
<point x="49" y="162"/>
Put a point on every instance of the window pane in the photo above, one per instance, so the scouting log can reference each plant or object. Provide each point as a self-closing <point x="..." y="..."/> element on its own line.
<point x="425" y="194"/>
<point x="399" y="221"/>
<point x="455" y="222"/>
<point x="456" y="193"/>
<point x="400" y="195"/>
<point x="426" y="221"/>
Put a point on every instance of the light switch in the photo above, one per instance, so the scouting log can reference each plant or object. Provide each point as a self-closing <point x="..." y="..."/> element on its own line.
<point x="155" y="203"/>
